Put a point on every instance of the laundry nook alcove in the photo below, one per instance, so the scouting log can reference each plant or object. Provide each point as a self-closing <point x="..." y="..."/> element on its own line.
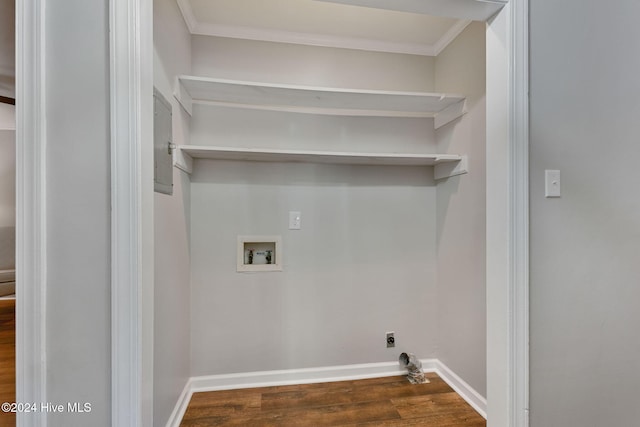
<point x="373" y="143"/>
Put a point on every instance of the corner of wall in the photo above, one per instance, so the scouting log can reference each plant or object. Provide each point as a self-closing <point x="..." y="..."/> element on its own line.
<point x="172" y="272"/>
<point x="461" y="242"/>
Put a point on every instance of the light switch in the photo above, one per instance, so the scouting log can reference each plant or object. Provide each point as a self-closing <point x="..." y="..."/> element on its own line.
<point x="551" y="183"/>
<point x="295" y="220"/>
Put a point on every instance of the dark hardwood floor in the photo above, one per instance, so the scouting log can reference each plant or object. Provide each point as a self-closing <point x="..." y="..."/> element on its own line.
<point x="388" y="402"/>
<point x="7" y="359"/>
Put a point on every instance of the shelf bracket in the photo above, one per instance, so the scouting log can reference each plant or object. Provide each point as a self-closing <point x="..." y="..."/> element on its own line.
<point x="183" y="96"/>
<point x="449" y="114"/>
<point x="182" y="160"/>
<point x="447" y="170"/>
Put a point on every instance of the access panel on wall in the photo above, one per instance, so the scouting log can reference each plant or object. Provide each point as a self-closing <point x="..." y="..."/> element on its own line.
<point x="162" y="144"/>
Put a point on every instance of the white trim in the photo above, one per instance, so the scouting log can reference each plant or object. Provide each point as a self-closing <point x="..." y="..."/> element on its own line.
<point x="468" y="393"/>
<point x="451" y="169"/>
<point x="31" y="207"/>
<point x="519" y="212"/>
<point x="182" y="161"/>
<point x="448" y="37"/>
<point x="449" y="114"/>
<point x="316" y="39"/>
<point x="312" y="156"/>
<point x="131" y="102"/>
<point x="477" y="10"/>
<point x="317" y="111"/>
<point x="181" y="406"/>
<point x="507" y="225"/>
<point x="320" y="375"/>
<point x="444" y="107"/>
<point x="183" y="96"/>
<point x="497" y="219"/>
<point x="7" y="276"/>
<point x="301" y="376"/>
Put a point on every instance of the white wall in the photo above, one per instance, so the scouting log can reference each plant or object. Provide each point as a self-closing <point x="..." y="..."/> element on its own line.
<point x="263" y="129"/>
<point x="78" y="212"/>
<point x="172" y="56"/>
<point x="7" y="186"/>
<point x="363" y="263"/>
<point x="7" y="49"/>
<point x="7" y="199"/>
<point x="460" y="68"/>
<point x="307" y="65"/>
<point x="585" y="352"/>
<point x="7" y="117"/>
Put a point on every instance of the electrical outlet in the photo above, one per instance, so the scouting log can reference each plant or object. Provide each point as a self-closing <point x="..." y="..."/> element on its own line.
<point x="391" y="340"/>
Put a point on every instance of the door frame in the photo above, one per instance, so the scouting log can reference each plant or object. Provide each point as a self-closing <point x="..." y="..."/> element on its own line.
<point x="131" y="38"/>
<point x="31" y="227"/>
<point x="508" y="216"/>
<point x="132" y="236"/>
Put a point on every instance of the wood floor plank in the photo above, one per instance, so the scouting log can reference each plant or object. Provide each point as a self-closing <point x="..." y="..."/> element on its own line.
<point x="330" y="385"/>
<point x="334" y="415"/>
<point x="424" y="422"/>
<point x="224" y="404"/>
<point x="438" y="408"/>
<point x="352" y="392"/>
<point x="385" y="402"/>
<point x="7" y="358"/>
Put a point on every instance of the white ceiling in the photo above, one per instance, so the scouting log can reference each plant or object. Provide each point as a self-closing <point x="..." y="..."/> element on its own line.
<point x="322" y="23"/>
<point x="477" y="10"/>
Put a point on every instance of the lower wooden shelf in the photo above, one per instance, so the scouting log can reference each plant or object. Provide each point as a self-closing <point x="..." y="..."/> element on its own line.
<point x="446" y="165"/>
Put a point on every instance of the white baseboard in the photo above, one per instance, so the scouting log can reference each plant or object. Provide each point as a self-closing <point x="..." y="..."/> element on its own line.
<point x="181" y="406"/>
<point x="319" y="375"/>
<point x="301" y="376"/>
<point x="468" y="393"/>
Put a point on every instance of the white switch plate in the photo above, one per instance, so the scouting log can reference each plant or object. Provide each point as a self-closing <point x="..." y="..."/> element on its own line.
<point x="551" y="183"/>
<point x="295" y="220"/>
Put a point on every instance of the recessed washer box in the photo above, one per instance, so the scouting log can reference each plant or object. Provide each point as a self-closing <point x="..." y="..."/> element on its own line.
<point x="259" y="253"/>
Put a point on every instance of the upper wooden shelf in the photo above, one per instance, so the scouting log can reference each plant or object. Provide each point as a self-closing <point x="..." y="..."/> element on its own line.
<point x="443" y="108"/>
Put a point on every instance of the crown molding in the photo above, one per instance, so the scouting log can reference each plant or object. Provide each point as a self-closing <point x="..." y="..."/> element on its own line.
<point x="315" y="39"/>
<point x="475" y="10"/>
